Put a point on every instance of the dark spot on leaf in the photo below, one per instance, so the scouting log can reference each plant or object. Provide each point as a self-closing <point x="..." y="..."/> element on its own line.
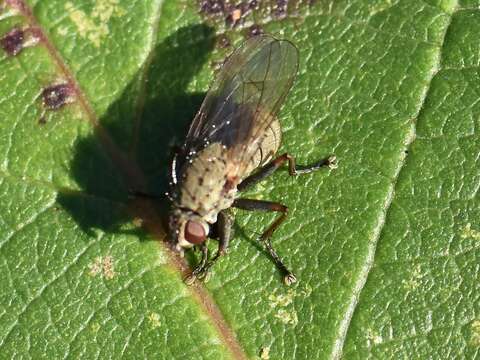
<point x="255" y="30"/>
<point x="211" y="7"/>
<point x="56" y="96"/>
<point x="42" y="120"/>
<point x="281" y="8"/>
<point x="237" y="14"/>
<point x="17" y="4"/>
<point x="253" y="4"/>
<point x="223" y="41"/>
<point x="12" y="42"/>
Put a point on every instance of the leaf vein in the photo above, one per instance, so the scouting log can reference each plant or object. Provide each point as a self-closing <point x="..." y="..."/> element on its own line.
<point x="377" y="231"/>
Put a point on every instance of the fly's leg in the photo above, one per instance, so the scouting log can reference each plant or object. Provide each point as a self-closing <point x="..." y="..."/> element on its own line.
<point x="224" y="223"/>
<point x="293" y="169"/>
<point x="260" y="205"/>
<point x="198" y="269"/>
<point x="140" y="194"/>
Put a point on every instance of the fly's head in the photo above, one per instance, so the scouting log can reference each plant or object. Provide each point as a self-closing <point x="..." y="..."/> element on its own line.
<point x="187" y="229"/>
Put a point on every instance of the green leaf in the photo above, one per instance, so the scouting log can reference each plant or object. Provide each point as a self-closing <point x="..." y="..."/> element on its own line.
<point x="95" y="93"/>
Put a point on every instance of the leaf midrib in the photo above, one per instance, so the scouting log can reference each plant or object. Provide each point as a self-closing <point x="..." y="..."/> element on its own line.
<point x="123" y="162"/>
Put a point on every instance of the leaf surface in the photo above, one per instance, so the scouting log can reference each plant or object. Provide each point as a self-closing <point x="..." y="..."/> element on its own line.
<point x="385" y="247"/>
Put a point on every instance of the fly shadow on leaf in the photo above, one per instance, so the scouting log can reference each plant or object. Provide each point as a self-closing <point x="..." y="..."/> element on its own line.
<point x="145" y="131"/>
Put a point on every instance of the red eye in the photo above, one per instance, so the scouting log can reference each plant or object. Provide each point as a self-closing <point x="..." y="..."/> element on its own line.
<point x="194" y="232"/>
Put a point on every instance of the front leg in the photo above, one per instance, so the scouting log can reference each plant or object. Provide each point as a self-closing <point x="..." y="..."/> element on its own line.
<point x="199" y="268"/>
<point x="224" y="223"/>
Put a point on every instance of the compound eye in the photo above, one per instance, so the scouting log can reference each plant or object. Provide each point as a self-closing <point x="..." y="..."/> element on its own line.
<point x="194" y="232"/>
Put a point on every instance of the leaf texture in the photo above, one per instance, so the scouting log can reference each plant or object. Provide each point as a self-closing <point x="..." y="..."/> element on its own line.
<point x="95" y="94"/>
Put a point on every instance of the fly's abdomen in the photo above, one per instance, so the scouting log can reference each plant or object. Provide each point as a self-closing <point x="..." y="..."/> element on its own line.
<point x="267" y="146"/>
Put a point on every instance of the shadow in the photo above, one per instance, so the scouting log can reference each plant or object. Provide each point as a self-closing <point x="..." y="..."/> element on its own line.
<point x="145" y="140"/>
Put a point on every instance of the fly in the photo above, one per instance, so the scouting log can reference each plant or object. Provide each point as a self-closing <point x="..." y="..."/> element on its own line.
<point x="231" y="145"/>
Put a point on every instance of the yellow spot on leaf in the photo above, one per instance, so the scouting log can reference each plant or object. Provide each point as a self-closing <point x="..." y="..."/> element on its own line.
<point x="307" y="291"/>
<point x="105" y="9"/>
<point x="154" y="319"/>
<point x="94" y="27"/>
<point x="265" y="353"/>
<point x="475" y="339"/>
<point x="380" y="7"/>
<point x="373" y="337"/>
<point x="287" y="317"/>
<point x="62" y="30"/>
<point x="468" y="232"/>
<point x="95" y="327"/>
<point x="283" y="304"/>
<point x="282" y="299"/>
<point x="95" y="267"/>
<point x="413" y="281"/>
<point x="103" y="266"/>
<point x="107" y="266"/>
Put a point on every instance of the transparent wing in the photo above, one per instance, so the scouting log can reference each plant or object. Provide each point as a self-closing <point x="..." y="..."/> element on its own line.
<point x="244" y="100"/>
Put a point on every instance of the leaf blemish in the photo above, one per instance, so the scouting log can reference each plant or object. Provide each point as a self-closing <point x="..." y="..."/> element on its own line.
<point x="12" y="42"/>
<point x="475" y="338"/>
<point x="212" y="6"/>
<point x="281" y="9"/>
<point x="16" y="4"/>
<point x="102" y="266"/>
<point x="232" y="14"/>
<point x="284" y="311"/>
<point x="108" y="270"/>
<point x="235" y="16"/>
<point x="94" y="27"/>
<point x="95" y="327"/>
<point x="154" y="319"/>
<point x="282" y="299"/>
<point x="468" y="232"/>
<point x="265" y="353"/>
<point x="255" y="30"/>
<point x="56" y="96"/>
<point x="414" y="281"/>
<point x="95" y="267"/>
<point x="17" y="39"/>
<point x="223" y="41"/>
<point x="373" y="337"/>
<point x="42" y="120"/>
<point x="247" y="14"/>
<point x="287" y="317"/>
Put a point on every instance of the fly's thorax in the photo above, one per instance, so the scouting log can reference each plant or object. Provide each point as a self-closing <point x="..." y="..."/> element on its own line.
<point x="208" y="182"/>
<point x="187" y="229"/>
